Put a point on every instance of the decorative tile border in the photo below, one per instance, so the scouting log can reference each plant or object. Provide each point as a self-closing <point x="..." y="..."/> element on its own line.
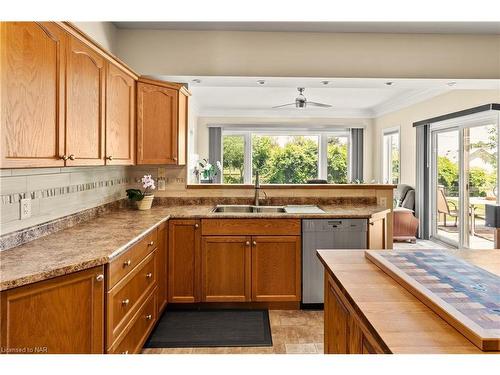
<point x="53" y="192"/>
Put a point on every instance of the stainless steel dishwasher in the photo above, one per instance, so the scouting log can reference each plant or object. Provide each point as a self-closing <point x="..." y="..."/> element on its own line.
<point x="325" y="234"/>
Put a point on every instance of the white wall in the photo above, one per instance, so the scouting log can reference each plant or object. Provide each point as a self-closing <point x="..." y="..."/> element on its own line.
<point x="440" y="105"/>
<point x="230" y="53"/>
<point x="104" y="33"/>
<point x="203" y="122"/>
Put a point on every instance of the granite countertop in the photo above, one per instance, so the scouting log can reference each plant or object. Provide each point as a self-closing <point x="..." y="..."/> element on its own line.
<point x="97" y="241"/>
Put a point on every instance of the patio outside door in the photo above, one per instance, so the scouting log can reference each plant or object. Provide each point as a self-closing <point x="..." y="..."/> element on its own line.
<point x="464" y="179"/>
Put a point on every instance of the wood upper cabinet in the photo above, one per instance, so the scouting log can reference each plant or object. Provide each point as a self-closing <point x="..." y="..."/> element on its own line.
<point x="161" y="123"/>
<point x="85" y="89"/>
<point x="32" y="94"/>
<point x="63" y="315"/>
<point x="226" y="269"/>
<point x="276" y="268"/>
<point x="120" y="117"/>
<point x="184" y="261"/>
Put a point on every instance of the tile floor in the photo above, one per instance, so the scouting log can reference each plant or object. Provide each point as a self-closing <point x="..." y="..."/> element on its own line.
<point x="293" y="332"/>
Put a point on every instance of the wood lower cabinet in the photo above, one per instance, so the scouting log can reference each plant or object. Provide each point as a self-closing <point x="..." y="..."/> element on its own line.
<point x="120" y="117"/>
<point x="377" y="233"/>
<point x="184" y="269"/>
<point x="60" y="315"/>
<point x="161" y="122"/>
<point x="226" y="269"/>
<point x="161" y="258"/>
<point x="32" y="91"/>
<point x="276" y="268"/>
<point x="343" y="331"/>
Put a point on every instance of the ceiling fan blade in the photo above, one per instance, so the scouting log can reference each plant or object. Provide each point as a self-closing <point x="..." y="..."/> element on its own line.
<point x="284" y="105"/>
<point x="315" y="104"/>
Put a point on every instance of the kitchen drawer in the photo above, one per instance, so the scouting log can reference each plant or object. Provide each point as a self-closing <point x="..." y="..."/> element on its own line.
<point x="137" y="331"/>
<point x="125" y="298"/>
<point x="250" y="227"/>
<point x="125" y="263"/>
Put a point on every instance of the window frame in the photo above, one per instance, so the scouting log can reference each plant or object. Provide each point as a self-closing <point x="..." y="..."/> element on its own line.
<point x="322" y="135"/>
<point x="385" y="148"/>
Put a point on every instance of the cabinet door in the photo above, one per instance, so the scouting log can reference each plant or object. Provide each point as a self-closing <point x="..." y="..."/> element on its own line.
<point x="85" y="80"/>
<point x="161" y="258"/>
<point x="184" y="261"/>
<point x="120" y="117"/>
<point x="182" y="128"/>
<point x="377" y="234"/>
<point x="225" y="269"/>
<point x="276" y="268"/>
<point x="32" y="92"/>
<point x="336" y="322"/>
<point x="157" y="120"/>
<point x="61" y="315"/>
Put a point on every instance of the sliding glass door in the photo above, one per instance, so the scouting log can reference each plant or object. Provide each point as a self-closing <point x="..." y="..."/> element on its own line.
<point x="464" y="180"/>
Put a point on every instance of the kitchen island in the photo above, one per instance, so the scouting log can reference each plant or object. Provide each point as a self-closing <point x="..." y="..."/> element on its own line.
<point x="367" y="311"/>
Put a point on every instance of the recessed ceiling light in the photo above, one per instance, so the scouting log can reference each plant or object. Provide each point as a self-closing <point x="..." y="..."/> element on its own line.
<point x="390" y="83"/>
<point x="325" y="82"/>
<point x="261" y="81"/>
<point x="197" y="80"/>
<point x="452" y="83"/>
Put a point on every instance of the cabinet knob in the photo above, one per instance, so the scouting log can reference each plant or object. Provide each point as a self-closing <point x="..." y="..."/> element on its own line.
<point x="149" y="317"/>
<point x="127" y="263"/>
<point x="125" y="302"/>
<point x="109" y="157"/>
<point x="254" y="243"/>
<point x="64" y="157"/>
<point x="100" y="277"/>
<point x="247" y="243"/>
<point x="197" y="225"/>
<point x="151" y="243"/>
<point x="175" y="158"/>
<point x="149" y="275"/>
<point x="71" y="157"/>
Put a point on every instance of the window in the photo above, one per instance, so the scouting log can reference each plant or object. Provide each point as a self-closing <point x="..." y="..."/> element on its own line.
<point x="285" y="157"/>
<point x="391" y="158"/>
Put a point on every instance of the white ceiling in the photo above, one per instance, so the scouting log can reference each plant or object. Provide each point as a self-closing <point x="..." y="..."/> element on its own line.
<point x="326" y="27"/>
<point x="350" y="98"/>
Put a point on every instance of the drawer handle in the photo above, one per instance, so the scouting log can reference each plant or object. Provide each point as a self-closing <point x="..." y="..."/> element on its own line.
<point x="151" y="243"/>
<point x="149" y="275"/>
<point x="125" y="352"/>
<point x="125" y="302"/>
<point x="100" y="277"/>
<point x="254" y="243"/>
<point x="127" y="263"/>
<point x="149" y="317"/>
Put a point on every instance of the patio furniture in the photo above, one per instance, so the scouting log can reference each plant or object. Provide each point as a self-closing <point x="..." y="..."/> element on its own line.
<point x="405" y="223"/>
<point x="443" y="207"/>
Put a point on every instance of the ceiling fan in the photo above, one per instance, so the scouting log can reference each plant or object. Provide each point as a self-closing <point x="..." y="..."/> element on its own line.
<point x="302" y="102"/>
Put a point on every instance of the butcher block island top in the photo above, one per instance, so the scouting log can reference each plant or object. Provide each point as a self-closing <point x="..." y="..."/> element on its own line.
<point x="394" y="319"/>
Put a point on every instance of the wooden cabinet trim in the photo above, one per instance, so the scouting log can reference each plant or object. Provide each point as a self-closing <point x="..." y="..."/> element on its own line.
<point x="251" y="227"/>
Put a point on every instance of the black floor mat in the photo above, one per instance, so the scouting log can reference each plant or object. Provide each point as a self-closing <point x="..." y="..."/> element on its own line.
<point x="211" y="328"/>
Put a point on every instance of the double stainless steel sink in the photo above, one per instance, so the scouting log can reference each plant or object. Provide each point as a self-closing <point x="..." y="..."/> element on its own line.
<point x="248" y="209"/>
<point x="242" y="208"/>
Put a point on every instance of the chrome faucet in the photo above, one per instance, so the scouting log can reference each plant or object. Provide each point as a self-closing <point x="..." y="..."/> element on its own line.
<point x="257" y="189"/>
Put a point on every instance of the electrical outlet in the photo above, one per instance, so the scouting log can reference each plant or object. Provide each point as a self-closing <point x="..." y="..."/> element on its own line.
<point x="383" y="201"/>
<point x="25" y="208"/>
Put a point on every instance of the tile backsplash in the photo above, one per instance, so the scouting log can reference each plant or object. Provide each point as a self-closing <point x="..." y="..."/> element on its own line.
<point x="56" y="192"/>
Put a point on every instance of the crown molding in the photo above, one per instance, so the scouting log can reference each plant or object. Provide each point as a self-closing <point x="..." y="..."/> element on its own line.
<point x="406" y="100"/>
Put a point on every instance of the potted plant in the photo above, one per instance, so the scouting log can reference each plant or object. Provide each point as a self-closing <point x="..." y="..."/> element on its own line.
<point x="143" y="199"/>
<point x="206" y="171"/>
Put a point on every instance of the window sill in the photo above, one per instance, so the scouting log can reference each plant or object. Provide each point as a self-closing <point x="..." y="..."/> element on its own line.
<point x="292" y="186"/>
